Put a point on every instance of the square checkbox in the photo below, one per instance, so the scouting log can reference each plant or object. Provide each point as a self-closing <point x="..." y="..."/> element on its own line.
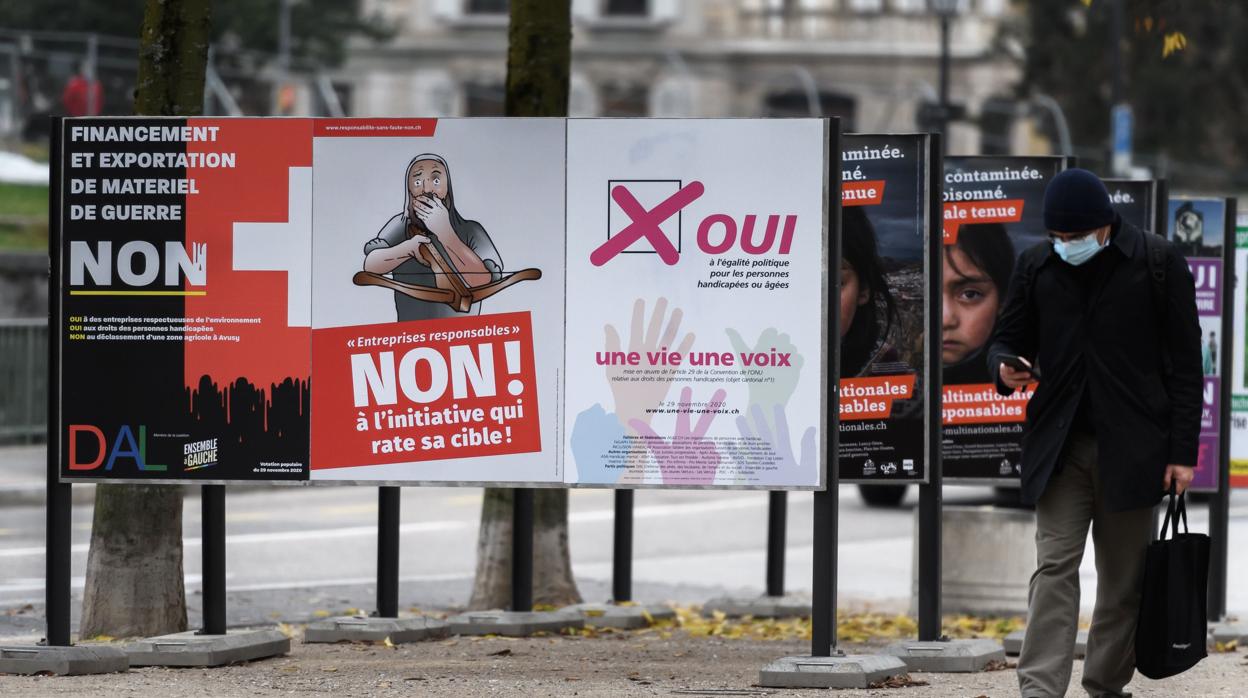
<point x="649" y="194"/>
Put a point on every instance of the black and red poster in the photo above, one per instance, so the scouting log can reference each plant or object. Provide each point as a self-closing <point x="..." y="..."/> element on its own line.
<point x="993" y="212"/>
<point x="886" y="230"/>
<point x="185" y="299"/>
<point x="1140" y="202"/>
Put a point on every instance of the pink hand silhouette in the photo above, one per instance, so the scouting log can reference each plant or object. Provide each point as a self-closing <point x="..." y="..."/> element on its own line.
<point x="687" y="458"/>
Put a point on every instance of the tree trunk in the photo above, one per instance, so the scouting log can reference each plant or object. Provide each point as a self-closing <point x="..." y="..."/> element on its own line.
<point x="134" y="582"/>
<point x="134" y="569"/>
<point x="539" y="58"/>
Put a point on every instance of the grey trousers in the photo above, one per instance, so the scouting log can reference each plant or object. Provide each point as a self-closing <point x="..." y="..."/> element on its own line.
<point x="1071" y="501"/>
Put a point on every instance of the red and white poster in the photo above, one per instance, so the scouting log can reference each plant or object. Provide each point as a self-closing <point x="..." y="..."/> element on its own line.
<point x="437" y="301"/>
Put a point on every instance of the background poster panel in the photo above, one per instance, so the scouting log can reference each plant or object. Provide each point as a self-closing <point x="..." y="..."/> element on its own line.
<point x="993" y="212"/>
<point x="1198" y="227"/>
<point x="884" y="231"/>
<point x="424" y="384"/>
<point x="185" y="299"/>
<point x="1239" y="361"/>
<point x="1136" y="200"/>
<point x="695" y="299"/>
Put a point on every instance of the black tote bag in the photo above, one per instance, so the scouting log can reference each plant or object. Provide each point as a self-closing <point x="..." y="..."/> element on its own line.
<point x="1171" y="634"/>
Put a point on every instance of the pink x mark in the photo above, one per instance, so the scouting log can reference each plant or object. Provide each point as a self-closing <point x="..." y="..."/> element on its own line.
<point x="646" y="224"/>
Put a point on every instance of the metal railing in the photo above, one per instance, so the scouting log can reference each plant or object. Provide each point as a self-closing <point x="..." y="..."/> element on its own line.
<point x="23" y="380"/>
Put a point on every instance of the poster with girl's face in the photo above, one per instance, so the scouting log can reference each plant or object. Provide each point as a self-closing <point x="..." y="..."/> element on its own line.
<point x="993" y="212"/>
<point x="885" y="229"/>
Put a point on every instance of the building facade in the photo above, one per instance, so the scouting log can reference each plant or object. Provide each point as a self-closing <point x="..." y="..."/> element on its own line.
<point x="871" y="62"/>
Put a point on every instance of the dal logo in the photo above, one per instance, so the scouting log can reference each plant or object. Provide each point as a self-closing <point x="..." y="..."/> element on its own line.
<point x="717" y="233"/>
<point x="124" y="446"/>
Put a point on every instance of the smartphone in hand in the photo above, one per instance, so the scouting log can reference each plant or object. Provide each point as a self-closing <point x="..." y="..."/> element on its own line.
<point x="1018" y="363"/>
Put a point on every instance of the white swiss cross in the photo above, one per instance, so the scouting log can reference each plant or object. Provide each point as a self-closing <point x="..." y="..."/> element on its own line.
<point x="284" y="247"/>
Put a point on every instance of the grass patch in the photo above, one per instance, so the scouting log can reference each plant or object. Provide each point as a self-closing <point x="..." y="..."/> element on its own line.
<point x="24" y="237"/>
<point x="23" y="216"/>
<point x="23" y="200"/>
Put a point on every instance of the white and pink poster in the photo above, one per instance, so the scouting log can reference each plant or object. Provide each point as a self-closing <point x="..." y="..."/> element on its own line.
<point x="695" y="306"/>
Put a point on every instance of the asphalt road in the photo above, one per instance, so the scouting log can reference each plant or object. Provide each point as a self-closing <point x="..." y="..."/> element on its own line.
<point x="294" y="551"/>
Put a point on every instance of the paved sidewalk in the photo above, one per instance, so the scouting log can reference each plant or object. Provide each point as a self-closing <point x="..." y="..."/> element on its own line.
<point x="626" y="664"/>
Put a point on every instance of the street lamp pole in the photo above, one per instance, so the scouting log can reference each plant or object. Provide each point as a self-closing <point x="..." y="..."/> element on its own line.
<point x="945" y="21"/>
<point x="930" y="534"/>
<point x="945" y="10"/>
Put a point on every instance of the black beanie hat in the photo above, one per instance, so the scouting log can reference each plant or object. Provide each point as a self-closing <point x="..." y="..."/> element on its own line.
<point x="1076" y="200"/>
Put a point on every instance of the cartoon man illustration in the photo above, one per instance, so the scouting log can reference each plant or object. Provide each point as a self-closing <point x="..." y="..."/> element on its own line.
<point x="1189" y="228"/>
<point x="439" y="263"/>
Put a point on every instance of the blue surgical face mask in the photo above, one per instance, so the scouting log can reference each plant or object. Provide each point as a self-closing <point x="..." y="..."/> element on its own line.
<point x="1077" y="251"/>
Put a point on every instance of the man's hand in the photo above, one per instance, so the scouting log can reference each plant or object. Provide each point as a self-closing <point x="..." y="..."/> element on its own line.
<point x="1015" y="378"/>
<point x="433" y="214"/>
<point x="410" y="248"/>
<point x="1180" y="475"/>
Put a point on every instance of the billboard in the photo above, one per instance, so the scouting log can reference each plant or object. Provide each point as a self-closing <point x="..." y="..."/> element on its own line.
<point x="548" y="302"/>
<point x="1239" y="360"/>
<point x="993" y="212"/>
<point x="184" y="299"/>
<point x="696" y="313"/>
<point x="1141" y="202"/>
<point x="1202" y="230"/>
<point x="886" y="239"/>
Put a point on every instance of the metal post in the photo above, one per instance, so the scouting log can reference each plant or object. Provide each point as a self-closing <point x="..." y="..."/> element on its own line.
<point x="1117" y="81"/>
<point x="930" y="534"/>
<point x="388" y="552"/>
<point x="945" y="21"/>
<point x="823" y="599"/>
<point x="522" y="550"/>
<point x="929" y="558"/>
<point x="212" y="503"/>
<point x="622" y="550"/>
<point x="59" y="500"/>
<point x="1220" y="505"/>
<point x="777" y="515"/>
<point x="823" y="582"/>
<point x="93" y="52"/>
<point x="28" y="414"/>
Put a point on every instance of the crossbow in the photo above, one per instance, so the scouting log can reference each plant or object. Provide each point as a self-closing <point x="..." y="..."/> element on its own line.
<point x="452" y="289"/>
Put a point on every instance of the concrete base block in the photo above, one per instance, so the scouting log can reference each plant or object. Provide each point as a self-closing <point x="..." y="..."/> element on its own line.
<point x="947" y="656"/>
<point x="370" y="629"/>
<point x="192" y="649"/>
<point x="608" y="615"/>
<point x="1228" y="632"/>
<point x="1013" y="643"/>
<point x="63" y="661"/>
<point x="845" y="671"/>
<point x="988" y="555"/>
<point x="787" y="606"/>
<point x="514" y="623"/>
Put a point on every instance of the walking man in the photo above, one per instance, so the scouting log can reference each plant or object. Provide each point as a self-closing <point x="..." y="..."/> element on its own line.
<point x="1104" y="314"/>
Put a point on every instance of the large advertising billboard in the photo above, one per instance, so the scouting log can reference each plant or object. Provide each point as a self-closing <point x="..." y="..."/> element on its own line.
<point x="184" y="299"/>
<point x="1239" y="360"/>
<point x="548" y="302"/>
<point x="993" y="212"/>
<point x="696" y="295"/>
<point x="886" y="233"/>
<point x="1201" y="229"/>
